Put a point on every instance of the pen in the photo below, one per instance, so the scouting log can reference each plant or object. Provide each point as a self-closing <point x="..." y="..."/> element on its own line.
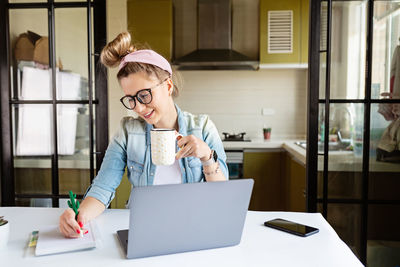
<point x="73" y="203"/>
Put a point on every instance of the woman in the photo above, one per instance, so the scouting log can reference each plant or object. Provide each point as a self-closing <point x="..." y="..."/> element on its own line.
<point x="145" y="78"/>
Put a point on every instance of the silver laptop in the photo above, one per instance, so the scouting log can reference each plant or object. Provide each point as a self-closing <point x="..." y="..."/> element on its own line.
<point x="168" y="219"/>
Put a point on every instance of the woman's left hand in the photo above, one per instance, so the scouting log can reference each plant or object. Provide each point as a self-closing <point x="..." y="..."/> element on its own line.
<point x="192" y="146"/>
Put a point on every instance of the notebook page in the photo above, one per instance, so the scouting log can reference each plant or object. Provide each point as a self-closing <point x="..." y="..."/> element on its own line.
<point x="52" y="241"/>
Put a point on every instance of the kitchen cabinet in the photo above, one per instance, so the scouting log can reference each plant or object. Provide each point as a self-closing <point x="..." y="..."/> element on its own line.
<point x="295" y="184"/>
<point x="122" y="193"/>
<point x="305" y="6"/>
<point x="150" y="24"/>
<point x="284" y="33"/>
<point x="266" y="168"/>
<point x="279" y="181"/>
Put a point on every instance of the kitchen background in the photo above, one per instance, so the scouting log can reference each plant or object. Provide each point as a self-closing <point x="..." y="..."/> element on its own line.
<point x="236" y="101"/>
<point x="233" y="99"/>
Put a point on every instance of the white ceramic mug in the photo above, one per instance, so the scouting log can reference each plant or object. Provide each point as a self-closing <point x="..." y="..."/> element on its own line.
<point x="4" y="234"/>
<point x="163" y="146"/>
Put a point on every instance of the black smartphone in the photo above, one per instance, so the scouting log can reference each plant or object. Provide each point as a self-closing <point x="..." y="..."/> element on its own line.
<point x="291" y="227"/>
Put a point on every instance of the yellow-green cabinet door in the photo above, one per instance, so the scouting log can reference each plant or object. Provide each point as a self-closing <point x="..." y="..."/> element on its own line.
<point x="295" y="185"/>
<point x="266" y="170"/>
<point x="305" y="7"/>
<point x="150" y="24"/>
<point x="284" y="31"/>
<point x="122" y="193"/>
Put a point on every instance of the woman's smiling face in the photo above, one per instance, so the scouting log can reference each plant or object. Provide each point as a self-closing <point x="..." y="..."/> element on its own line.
<point x="152" y="112"/>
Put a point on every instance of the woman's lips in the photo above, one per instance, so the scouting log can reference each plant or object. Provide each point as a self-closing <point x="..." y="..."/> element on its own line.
<point x="148" y="115"/>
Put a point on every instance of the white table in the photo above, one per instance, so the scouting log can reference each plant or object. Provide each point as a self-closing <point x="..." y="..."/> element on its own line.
<point x="260" y="246"/>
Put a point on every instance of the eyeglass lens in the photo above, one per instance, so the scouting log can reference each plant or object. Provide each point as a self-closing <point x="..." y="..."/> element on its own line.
<point x="143" y="97"/>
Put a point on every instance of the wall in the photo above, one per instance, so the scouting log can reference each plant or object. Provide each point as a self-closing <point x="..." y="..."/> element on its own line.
<point x="116" y="22"/>
<point x="234" y="100"/>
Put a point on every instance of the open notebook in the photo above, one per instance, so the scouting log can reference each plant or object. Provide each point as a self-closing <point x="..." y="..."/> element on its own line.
<point x="51" y="241"/>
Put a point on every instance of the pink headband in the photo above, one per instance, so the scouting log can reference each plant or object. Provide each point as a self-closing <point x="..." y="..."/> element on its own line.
<point x="146" y="56"/>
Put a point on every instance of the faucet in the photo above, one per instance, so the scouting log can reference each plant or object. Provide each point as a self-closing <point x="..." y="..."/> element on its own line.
<point x="345" y="127"/>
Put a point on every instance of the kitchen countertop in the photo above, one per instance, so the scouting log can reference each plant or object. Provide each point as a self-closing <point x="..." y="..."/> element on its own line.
<point x="344" y="161"/>
<point x="348" y="162"/>
<point x="286" y="144"/>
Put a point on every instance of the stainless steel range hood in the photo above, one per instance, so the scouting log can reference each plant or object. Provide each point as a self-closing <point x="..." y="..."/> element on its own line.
<point x="214" y="40"/>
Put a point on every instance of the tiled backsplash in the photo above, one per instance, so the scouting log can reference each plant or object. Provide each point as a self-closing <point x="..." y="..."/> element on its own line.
<point x="235" y="99"/>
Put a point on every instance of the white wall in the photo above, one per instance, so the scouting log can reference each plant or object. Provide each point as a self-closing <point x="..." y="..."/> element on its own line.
<point x="116" y="22"/>
<point x="234" y="100"/>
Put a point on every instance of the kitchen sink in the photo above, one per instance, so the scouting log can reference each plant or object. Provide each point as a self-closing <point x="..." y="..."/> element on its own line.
<point x="333" y="146"/>
<point x="303" y="144"/>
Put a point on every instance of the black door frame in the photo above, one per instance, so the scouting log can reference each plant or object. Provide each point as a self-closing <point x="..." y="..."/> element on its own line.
<point x="100" y="103"/>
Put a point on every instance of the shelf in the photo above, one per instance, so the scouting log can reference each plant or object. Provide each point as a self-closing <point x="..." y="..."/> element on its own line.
<point x="284" y="66"/>
<point x="77" y="161"/>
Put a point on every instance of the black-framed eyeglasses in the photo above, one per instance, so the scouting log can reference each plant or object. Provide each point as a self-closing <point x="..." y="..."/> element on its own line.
<point x="144" y="96"/>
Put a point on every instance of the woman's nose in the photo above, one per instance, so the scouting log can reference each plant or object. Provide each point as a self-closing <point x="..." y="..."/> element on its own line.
<point x="139" y="107"/>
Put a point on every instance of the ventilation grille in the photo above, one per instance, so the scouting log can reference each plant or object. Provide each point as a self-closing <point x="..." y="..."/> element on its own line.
<point x="324" y="26"/>
<point x="280" y="31"/>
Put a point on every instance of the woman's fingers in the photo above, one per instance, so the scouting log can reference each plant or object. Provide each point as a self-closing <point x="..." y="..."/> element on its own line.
<point x="191" y="146"/>
<point x="183" y="152"/>
<point x="69" y="232"/>
<point x="69" y="227"/>
<point x="182" y="140"/>
<point x="186" y="151"/>
<point x="81" y="219"/>
<point x="187" y="146"/>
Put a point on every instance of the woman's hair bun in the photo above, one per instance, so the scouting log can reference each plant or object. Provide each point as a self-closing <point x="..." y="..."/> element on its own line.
<point x="114" y="51"/>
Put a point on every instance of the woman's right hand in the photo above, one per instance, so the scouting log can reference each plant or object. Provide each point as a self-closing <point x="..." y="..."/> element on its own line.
<point x="69" y="227"/>
<point x="88" y="210"/>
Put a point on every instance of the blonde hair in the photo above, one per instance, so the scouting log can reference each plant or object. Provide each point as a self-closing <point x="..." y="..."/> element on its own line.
<point x="114" y="51"/>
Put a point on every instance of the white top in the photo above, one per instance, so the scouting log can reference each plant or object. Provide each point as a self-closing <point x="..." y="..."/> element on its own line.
<point x="260" y="245"/>
<point x="170" y="174"/>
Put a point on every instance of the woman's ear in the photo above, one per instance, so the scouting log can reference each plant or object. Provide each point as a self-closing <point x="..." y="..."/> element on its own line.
<point x="170" y="87"/>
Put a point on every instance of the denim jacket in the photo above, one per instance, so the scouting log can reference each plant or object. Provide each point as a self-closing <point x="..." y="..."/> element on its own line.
<point x="131" y="148"/>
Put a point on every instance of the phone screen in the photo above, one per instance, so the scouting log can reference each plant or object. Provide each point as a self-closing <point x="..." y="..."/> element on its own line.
<point x="291" y="227"/>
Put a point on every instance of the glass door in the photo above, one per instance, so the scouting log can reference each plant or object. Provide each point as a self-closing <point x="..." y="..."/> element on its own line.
<point x="55" y="96"/>
<point x="354" y="124"/>
<point x="383" y="235"/>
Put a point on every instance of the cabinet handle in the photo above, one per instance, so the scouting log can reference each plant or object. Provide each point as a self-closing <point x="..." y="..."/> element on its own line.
<point x="304" y="193"/>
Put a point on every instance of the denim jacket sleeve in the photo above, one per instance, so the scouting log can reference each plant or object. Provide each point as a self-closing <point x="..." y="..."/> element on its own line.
<point x="213" y="140"/>
<point x="112" y="169"/>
